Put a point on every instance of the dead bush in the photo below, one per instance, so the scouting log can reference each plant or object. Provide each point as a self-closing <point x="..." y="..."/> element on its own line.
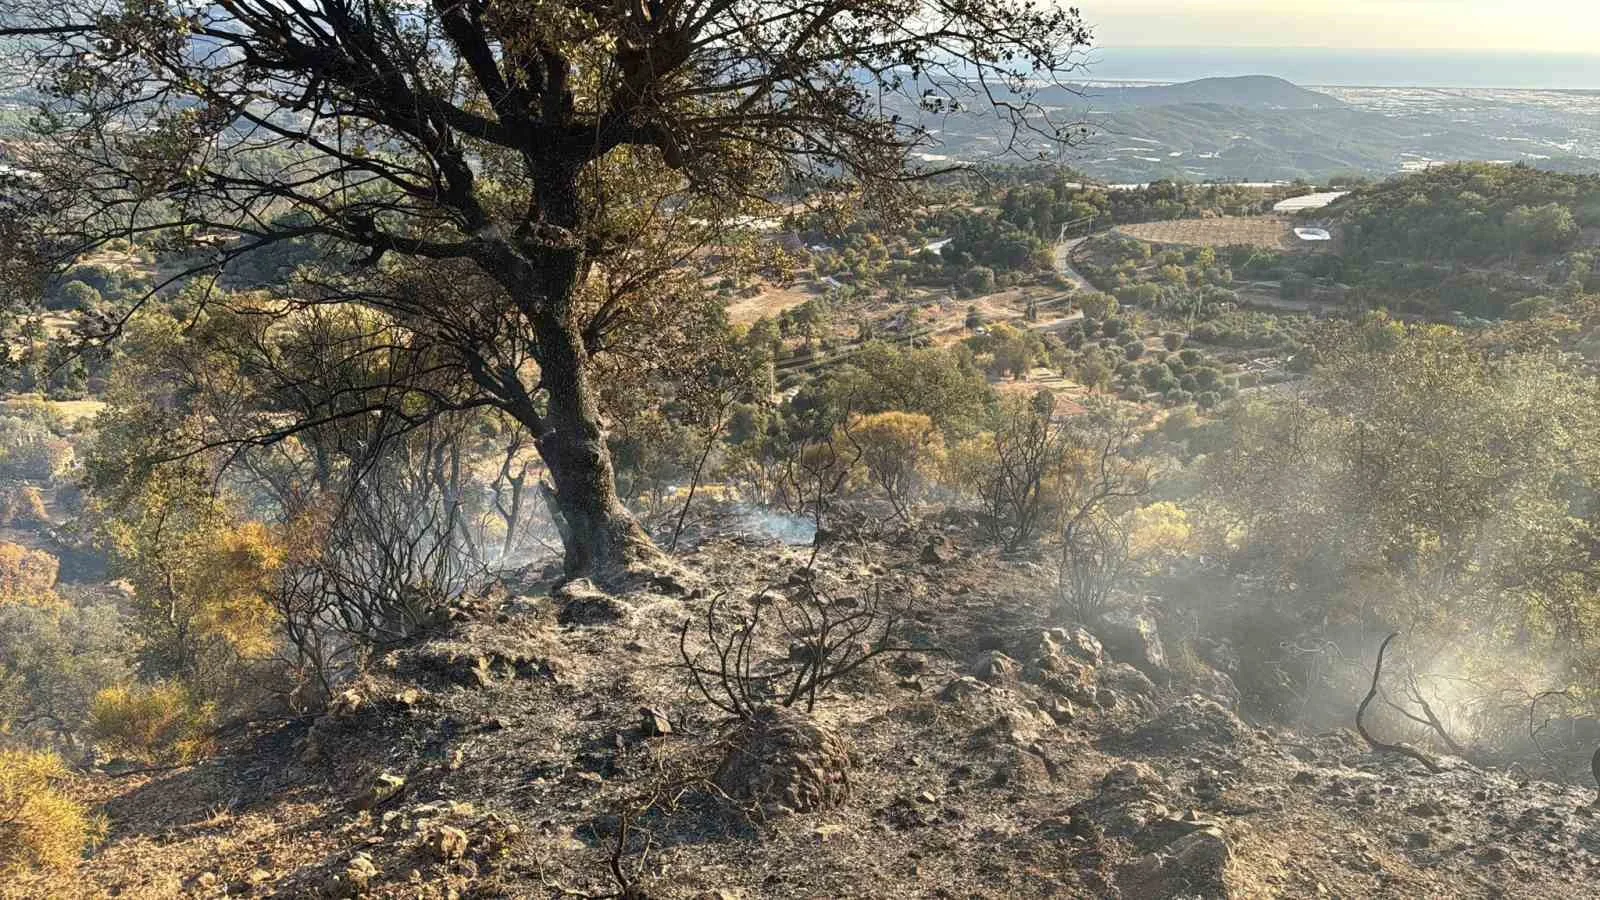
<point x="819" y="639"/>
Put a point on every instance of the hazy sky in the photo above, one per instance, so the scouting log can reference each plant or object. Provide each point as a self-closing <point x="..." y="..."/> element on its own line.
<point x="1509" y="25"/>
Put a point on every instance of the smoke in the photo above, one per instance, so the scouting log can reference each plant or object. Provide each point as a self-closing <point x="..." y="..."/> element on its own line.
<point x="786" y="527"/>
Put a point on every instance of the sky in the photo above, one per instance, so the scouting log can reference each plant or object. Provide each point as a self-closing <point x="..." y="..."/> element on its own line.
<point x="1523" y="26"/>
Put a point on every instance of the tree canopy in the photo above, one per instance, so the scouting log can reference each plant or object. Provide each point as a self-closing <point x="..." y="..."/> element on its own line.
<point x="559" y="164"/>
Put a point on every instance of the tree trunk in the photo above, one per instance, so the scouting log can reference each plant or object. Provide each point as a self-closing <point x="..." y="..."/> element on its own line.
<point x="601" y="536"/>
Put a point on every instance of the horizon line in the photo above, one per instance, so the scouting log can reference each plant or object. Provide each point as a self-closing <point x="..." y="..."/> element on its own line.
<point x="1342" y="49"/>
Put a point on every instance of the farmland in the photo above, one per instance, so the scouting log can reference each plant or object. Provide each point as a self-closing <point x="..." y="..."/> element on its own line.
<point x="1224" y="231"/>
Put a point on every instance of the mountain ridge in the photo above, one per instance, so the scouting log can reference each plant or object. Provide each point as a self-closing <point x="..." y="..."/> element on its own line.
<point x="1245" y="91"/>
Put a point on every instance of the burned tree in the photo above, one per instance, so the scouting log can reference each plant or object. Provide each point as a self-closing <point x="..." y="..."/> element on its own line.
<point x="557" y="161"/>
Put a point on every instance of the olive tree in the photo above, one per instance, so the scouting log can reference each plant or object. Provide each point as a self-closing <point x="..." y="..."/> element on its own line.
<point x="563" y="155"/>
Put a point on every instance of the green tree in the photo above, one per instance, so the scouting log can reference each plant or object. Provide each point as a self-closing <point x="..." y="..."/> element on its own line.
<point x="978" y="280"/>
<point x="533" y="155"/>
<point x="77" y="295"/>
<point x="1426" y="481"/>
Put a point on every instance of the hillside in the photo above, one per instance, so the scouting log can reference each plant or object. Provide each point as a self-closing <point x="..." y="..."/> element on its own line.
<point x="549" y="738"/>
<point x="1470" y="212"/>
<point x="1263" y="128"/>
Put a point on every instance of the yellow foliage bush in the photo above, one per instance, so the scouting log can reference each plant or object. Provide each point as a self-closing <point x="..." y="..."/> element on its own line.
<point x="157" y="722"/>
<point x="40" y="827"/>
<point x="896" y="448"/>
<point x="27" y="576"/>
<point x="1158" y="532"/>
<point x="22" y="504"/>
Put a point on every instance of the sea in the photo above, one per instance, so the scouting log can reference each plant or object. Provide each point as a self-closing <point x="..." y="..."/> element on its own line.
<point x="1332" y="67"/>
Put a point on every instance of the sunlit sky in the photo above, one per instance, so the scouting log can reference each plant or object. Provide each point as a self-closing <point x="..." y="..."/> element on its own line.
<point x="1566" y="26"/>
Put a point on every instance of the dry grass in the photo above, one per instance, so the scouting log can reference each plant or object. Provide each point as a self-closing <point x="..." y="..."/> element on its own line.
<point x="768" y="303"/>
<point x="73" y="411"/>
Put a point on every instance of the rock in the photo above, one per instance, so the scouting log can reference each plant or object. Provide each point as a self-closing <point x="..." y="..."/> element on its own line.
<point x="1061" y="710"/>
<point x="1085" y="646"/>
<point x="383" y="788"/>
<point x="781" y="759"/>
<point x="1192" y="720"/>
<point x="1132" y="636"/>
<point x="1418" y="840"/>
<point x="1131" y="775"/>
<point x="962" y="688"/>
<point x="353" y="880"/>
<point x="447" y="843"/>
<point x="937" y="551"/>
<point x="654" y="723"/>
<point x="1493" y="853"/>
<point x="581" y="603"/>
<point x="995" y="667"/>
<point x="347" y="702"/>
<point x="1195" y="865"/>
<point x="1216" y="685"/>
<point x="1126" y="681"/>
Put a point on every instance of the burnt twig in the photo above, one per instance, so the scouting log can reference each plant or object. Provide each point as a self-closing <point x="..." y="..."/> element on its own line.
<point x="1402" y="748"/>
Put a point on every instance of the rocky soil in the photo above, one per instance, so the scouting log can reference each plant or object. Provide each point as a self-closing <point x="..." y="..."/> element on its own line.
<point x="549" y="742"/>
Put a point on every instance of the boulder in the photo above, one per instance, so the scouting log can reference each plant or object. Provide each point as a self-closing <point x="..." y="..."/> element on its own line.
<point x="782" y="760"/>
<point x="995" y="667"/>
<point x="353" y="880"/>
<point x="447" y="842"/>
<point x="1190" y="721"/>
<point x="962" y="688"/>
<point x="1195" y="865"/>
<point x="1132" y="636"/>
<point x="385" y="787"/>
<point x="654" y="723"/>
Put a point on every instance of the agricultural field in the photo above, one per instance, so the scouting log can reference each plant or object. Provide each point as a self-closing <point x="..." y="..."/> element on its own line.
<point x="1223" y="231"/>
<point x="772" y="300"/>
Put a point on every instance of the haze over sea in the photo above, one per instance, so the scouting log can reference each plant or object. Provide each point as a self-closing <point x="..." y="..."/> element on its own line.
<point x="1354" y="68"/>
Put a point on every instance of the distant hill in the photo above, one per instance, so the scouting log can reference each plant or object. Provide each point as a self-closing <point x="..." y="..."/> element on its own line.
<point x="1245" y="91"/>
<point x="1265" y="128"/>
